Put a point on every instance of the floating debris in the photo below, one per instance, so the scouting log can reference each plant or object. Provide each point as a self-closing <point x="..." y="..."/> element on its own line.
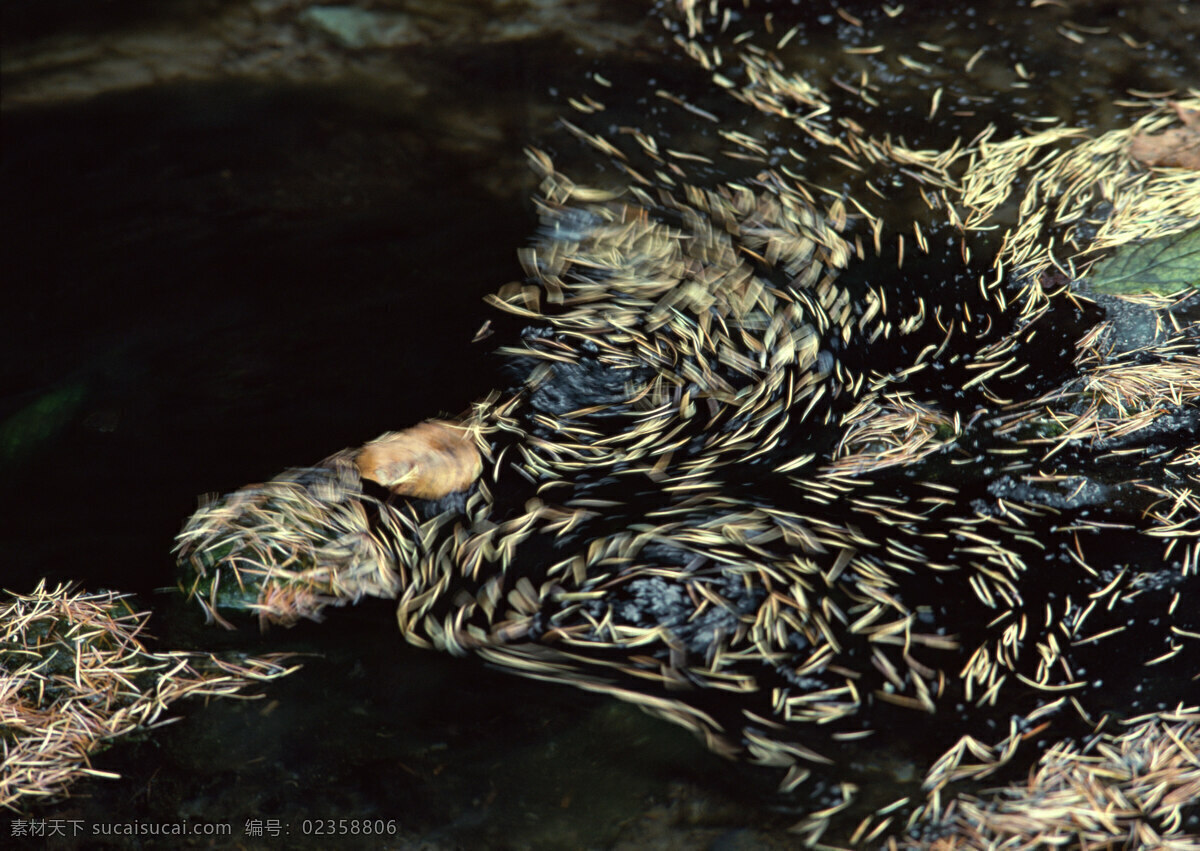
<point x="75" y="675"/>
<point x="755" y="480"/>
<point x="281" y="541"/>
<point x="428" y="461"/>
<point x="1178" y="147"/>
<point x="1130" y="789"/>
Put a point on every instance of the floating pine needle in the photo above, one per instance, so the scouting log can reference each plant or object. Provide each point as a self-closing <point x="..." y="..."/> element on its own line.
<point x="801" y="501"/>
<point x="75" y="676"/>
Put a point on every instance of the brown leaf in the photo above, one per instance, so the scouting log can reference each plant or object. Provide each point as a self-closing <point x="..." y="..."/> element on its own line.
<point x="427" y="461"/>
<point x="1178" y="147"/>
<point x="1189" y="117"/>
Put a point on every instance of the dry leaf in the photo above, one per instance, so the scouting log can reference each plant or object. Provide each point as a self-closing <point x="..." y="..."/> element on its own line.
<point x="428" y="461"/>
<point x="1178" y="147"/>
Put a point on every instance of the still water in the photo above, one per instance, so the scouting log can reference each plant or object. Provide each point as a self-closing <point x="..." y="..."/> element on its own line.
<point x="239" y="261"/>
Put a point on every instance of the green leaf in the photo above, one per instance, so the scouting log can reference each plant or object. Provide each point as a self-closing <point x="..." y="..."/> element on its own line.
<point x="1164" y="265"/>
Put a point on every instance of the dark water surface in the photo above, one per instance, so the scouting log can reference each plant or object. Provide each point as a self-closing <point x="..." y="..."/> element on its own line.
<point x="216" y="282"/>
<point x="208" y="281"/>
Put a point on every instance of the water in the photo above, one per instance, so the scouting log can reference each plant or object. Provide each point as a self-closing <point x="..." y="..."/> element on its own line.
<point x="210" y="281"/>
<point x="215" y="277"/>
